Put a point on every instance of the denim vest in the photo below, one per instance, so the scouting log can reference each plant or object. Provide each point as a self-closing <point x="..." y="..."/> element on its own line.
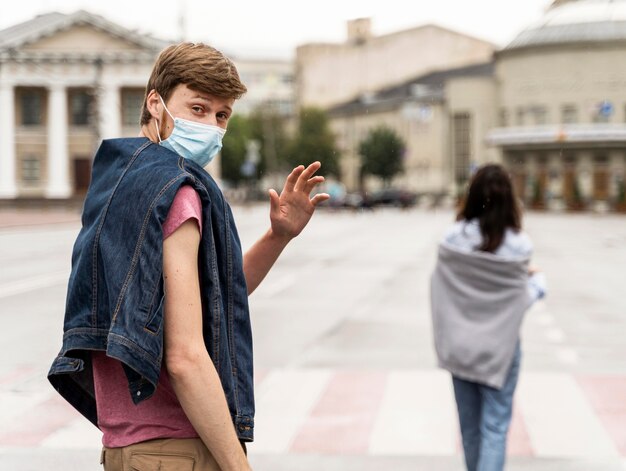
<point x="115" y="291"/>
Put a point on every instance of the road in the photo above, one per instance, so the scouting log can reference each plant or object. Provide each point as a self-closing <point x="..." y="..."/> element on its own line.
<point x="344" y="364"/>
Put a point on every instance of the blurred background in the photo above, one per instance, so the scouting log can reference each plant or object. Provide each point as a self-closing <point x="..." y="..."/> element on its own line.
<point x="401" y="103"/>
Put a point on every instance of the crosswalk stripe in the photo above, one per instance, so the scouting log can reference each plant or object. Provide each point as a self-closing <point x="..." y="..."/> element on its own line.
<point x="398" y="412"/>
<point x="284" y="400"/>
<point x="559" y="418"/>
<point x="14" y="405"/>
<point x="28" y="429"/>
<point x="78" y="434"/>
<point x="417" y="416"/>
<point x="342" y="420"/>
<point x="607" y="396"/>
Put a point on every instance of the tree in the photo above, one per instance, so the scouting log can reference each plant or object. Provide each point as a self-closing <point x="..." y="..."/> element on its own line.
<point x="382" y="153"/>
<point x="314" y="141"/>
<point x="234" y="148"/>
<point x="268" y="128"/>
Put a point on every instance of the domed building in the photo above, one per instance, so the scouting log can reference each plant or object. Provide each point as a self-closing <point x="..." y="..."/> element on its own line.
<point x="551" y="106"/>
<point x="561" y="97"/>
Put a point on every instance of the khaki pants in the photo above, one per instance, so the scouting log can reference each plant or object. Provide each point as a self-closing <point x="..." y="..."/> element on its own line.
<point x="170" y="454"/>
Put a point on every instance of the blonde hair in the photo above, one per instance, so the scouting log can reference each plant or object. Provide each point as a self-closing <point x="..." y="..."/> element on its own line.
<point x="197" y="65"/>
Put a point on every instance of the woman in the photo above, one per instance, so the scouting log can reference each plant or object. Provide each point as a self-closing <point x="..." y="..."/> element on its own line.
<point x="481" y="287"/>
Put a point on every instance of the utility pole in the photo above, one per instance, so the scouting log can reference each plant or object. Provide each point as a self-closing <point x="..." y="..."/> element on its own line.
<point x="182" y="20"/>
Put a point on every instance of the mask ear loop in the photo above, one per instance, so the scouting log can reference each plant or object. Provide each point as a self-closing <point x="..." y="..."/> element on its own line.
<point x="155" y="123"/>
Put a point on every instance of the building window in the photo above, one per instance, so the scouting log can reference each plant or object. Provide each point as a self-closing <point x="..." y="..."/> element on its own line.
<point x="504" y="117"/>
<point x="569" y="114"/>
<point x="602" y="112"/>
<point x="462" y="146"/>
<point x="540" y="115"/>
<point x="31" y="170"/>
<point x="80" y="107"/>
<point x="31" y="103"/>
<point x="520" y="115"/>
<point x="132" y="101"/>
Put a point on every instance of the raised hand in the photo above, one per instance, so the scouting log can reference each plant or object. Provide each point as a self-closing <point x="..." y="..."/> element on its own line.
<point x="291" y="211"/>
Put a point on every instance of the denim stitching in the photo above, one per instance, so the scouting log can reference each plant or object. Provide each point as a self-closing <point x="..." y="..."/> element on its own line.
<point x="230" y="315"/>
<point x="133" y="265"/>
<point x="94" y="272"/>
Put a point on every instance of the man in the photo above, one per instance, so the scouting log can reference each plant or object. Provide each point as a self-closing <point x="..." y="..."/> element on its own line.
<point x="157" y="348"/>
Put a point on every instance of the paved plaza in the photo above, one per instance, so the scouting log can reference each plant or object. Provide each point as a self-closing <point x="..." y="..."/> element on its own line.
<point x="344" y="364"/>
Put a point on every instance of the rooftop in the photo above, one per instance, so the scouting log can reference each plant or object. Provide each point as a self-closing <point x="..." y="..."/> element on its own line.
<point x="576" y="21"/>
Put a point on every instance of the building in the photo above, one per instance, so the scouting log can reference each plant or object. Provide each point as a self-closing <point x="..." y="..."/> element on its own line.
<point x="561" y="94"/>
<point x="330" y="74"/>
<point x="270" y="84"/>
<point x="433" y="126"/>
<point x="551" y="106"/>
<point x="67" y="81"/>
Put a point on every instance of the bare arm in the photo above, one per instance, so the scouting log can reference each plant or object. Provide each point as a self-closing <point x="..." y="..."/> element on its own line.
<point x="192" y="373"/>
<point x="289" y="214"/>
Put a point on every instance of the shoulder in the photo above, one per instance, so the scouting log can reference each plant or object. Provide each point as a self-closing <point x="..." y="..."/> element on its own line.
<point x="463" y="235"/>
<point x="517" y="243"/>
<point x="186" y="205"/>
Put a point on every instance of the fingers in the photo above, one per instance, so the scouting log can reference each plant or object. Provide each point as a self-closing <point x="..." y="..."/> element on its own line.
<point x="274" y="201"/>
<point x="292" y="179"/>
<point x="312" y="183"/>
<point x="317" y="199"/>
<point x="306" y="175"/>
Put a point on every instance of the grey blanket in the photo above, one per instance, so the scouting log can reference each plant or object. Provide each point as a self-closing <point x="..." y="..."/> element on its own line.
<point x="478" y="301"/>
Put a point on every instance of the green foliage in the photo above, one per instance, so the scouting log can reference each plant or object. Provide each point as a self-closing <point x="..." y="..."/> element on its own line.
<point x="621" y="191"/>
<point x="269" y="129"/>
<point x="234" y="149"/>
<point x="382" y="153"/>
<point x="314" y="141"/>
<point x="576" y="193"/>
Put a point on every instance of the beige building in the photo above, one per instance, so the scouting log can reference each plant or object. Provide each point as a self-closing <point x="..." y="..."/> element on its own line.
<point x="433" y="116"/>
<point x="69" y="81"/>
<point x="561" y="93"/>
<point x="330" y="74"/>
<point x="551" y="106"/>
<point x="270" y="84"/>
<point x="66" y="81"/>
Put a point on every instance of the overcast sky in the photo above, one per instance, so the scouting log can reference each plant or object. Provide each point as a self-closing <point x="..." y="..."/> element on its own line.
<point x="273" y="28"/>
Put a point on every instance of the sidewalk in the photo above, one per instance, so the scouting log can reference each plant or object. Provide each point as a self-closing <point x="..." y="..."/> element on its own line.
<point x="11" y="217"/>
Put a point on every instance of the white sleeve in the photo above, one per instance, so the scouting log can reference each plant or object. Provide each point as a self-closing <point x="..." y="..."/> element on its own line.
<point x="537" y="286"/>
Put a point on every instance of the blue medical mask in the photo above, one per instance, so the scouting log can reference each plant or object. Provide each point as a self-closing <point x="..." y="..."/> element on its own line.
<point x="191" y="140"/>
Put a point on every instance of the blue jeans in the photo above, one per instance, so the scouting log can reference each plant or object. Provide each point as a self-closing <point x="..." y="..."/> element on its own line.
<point x="485" y="415"/>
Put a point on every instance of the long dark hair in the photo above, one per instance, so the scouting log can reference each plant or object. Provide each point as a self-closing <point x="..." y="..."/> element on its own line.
<point x="491" y="199"/>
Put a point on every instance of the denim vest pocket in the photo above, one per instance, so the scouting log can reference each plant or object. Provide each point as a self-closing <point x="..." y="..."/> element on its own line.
<point x="154" y="310"/>
<point x="65" y="365"/>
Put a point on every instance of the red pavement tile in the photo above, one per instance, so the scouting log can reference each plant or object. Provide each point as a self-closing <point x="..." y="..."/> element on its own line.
<point x="342" y="420"/>
<point x="32" y="427"/>
<point x="16" y="374"/>
<point x="518" y="442"/>
<point x="259" y="375"/>
<point x="607" y="396"/>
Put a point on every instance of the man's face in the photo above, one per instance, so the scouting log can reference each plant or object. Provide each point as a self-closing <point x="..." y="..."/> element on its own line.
<point x="196" y="106"/>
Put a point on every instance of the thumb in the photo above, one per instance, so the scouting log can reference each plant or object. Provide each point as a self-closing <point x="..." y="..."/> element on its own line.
<point x="274" y="201"/>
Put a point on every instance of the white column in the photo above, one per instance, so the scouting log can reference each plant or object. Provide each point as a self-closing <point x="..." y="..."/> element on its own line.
<point x="110" y="113"/>
<point x="58" y="158"/>
<point x="8" y="186"/>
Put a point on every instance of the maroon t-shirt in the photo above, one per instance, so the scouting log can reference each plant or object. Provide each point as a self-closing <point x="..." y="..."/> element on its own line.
<point x="161" y="416"/>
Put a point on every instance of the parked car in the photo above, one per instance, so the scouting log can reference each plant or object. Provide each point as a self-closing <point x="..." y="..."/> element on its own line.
<point x="392" y="197"/>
